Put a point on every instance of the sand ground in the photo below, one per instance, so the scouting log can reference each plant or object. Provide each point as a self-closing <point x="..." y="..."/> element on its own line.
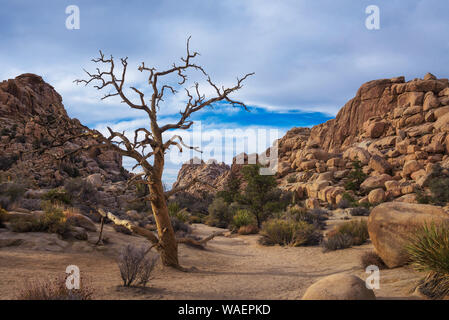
<point x="230" y="268"/>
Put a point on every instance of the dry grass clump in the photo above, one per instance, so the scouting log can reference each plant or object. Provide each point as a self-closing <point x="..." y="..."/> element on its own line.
<point x="54" y="289"/>
<point x="372" y="259"/>
<point x="428" y="251"/>
<point x="134" y="265"/>
<point x="346" y="235"/>
<point x="288" y="232"/>
<point x="249" y="229"/>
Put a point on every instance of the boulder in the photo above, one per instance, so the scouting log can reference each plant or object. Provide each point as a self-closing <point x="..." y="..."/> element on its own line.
<point x="376" y="129"/>
<point x="95" y="180"/>
<point x="78" y="220"/>
<point x="375" y="182"/>
<point x="339" y="287"/>
<point x="410" y="167"/>
<point x="392" y="223"/>
<point x="379" y="164"/>
<point x="376" y="196"/>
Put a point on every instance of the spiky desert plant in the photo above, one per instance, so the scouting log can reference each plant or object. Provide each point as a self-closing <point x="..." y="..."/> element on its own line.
<point x="428" y="251"/>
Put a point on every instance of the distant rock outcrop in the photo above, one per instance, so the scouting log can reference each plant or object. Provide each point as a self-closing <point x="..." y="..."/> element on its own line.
<point x="398" y="131"/>
<point x="28" y="106"/>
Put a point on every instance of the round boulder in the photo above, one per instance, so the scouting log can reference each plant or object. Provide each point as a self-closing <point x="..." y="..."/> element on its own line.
<point x="339" y="287"/>
<point x="391" y="224"/>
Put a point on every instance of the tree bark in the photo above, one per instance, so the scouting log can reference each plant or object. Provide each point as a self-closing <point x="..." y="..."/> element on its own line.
<point x="166" y="234"/>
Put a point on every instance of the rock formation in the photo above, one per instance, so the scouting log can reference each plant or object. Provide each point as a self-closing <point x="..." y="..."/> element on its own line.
<point x="27" y="107"/>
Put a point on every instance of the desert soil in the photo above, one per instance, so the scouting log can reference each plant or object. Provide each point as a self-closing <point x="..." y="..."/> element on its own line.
<point x="230" y="268"/>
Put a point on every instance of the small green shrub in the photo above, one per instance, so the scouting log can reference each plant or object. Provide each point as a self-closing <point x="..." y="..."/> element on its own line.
<point x="355" y="177"/>
<point x="316" y="217"/>
<point x="242" y="218"/>
<point x="174" y="210"/>
<point x="219" y="214"/>
<point x="57" y="196"/>
<point x="287" y="232"/>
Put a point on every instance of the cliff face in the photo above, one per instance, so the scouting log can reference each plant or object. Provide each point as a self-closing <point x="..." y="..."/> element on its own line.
<point x="397" y="129"/>
<point x="27" y="107"/>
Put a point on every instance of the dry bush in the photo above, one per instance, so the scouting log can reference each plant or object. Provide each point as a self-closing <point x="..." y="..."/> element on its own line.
<point x="54" y="289"/>
<point x="337" y="241"/>
<point x="287" y="232"/>
<point x="250" y="229"/>
<point x="134" y="265"/>
<point x="346" y="235"/>
<point x="372" y="259"/>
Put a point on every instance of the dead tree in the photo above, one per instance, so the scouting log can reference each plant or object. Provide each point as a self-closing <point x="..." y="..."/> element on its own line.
<point x="150" y="137"/>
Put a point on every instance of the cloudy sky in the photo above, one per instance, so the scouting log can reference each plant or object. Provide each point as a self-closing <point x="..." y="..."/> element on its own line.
<point x="309" y="57"/>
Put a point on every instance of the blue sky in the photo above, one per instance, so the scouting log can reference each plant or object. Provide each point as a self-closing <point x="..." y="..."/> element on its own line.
<point x="309" y="57"/>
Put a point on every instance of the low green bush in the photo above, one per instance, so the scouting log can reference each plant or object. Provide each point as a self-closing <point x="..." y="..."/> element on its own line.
<point x="58" y="196"/>
<point x="242" y="218"/>
<point x="287" y="232"/>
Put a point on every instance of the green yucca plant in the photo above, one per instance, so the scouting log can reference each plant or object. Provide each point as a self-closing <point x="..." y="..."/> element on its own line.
<point x="428" y="251"/>
<point x="429" y="248"/>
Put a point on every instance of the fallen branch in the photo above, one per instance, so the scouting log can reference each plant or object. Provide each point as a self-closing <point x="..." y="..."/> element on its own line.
<point x="200" y="244"/>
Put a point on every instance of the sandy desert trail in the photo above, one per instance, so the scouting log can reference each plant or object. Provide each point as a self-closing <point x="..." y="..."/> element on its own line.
<point x="230" y="268"/>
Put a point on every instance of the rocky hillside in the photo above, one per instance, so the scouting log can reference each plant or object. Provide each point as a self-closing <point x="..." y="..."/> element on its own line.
<point x="396" y="129"/>
<point x="28" y="131"/>
<point x="28" y="107"/>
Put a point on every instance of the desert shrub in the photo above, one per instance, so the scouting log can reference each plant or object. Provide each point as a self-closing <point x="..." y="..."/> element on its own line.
<point x="315" y="217"/>
<point x="337" y="241"/>
<point x="231" y="192"/>
<point x="10" y="192"/>
<point x="287" y="232"/>
<point x="54" y="289"/>
<point x="359" y="212"/>
<point x="249" y="229"/>
<point x="242" y="218"/>
<point x="371" y="258"/>
<point x="357" y="229"/>
<point x="53" y="221"/>
<point x="7" y="162"/>
<point x="351" y="233"/>
<point x="347" y="201"/>
<point x="134" y="265"/>
<point x="174" y="210"/>
<point x="57" y="196"/>
<point x="78" y="188"/>
<point x="219" y="214"/>
<point x="180" y="226"/>
<point x="428" y="250"/>
<point x="355" y="177"/>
